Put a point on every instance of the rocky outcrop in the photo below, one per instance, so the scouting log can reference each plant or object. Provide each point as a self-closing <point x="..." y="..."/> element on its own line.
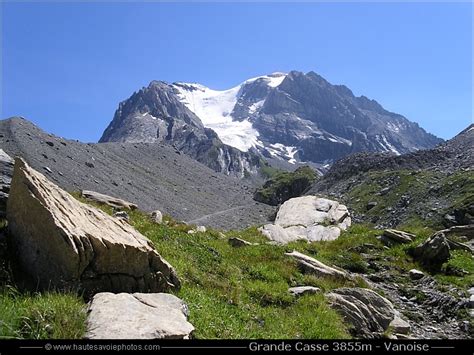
<point x="64" y="243"/>
<point x="107" y="200"/>
<point x="427" y="184"/>
<point x="137" y="316"/>
<point x="309" y="218"/>
<point x="368" y="313"/>
<point x="312" y="266"/>
<point x="6" y="171"/>
<point x="155" y="114"/>
<point x="433" y="252"/>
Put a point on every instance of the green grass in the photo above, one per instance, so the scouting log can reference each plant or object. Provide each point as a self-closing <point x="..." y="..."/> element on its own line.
<point x="234" y="292"/>
<point x="41" y="315"/>
<point x="461" y="260"/>
<point x="242" y="292"/>
<point x="453" y="191"/>
<point x="284" y="185"/>
<point x="49" y="315"/>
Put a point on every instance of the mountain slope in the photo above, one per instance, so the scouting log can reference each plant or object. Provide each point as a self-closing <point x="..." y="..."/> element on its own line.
<point x="294" y="117"/>
<point x="433" y="186"/>
<point x="152" y="175"/>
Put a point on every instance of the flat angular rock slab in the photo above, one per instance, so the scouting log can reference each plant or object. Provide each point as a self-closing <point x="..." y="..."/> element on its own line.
<point x="299" y="291"/>
<point x="6" y="172"/>
<point x="137" y="316"/>
<point x="63" y="243"/>
<point x="315" y="267"/>
<point x="393" y="236"/>
<point x="108" y="200"/>
<point x="400" y="326"/>
<point x="466" y="230"/>
<point x="368" y="313"/>
<point x="308" y="218"/>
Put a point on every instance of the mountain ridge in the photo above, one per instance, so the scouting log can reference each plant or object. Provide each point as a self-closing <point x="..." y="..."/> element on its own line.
<point x="294" y="117"/>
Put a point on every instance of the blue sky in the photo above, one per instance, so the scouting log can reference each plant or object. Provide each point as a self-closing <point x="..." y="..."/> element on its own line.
<point x="66" y="66"/>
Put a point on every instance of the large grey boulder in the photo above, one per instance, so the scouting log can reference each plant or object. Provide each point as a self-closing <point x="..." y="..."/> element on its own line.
<point x="308" y="218"/>
<point x="62" y="242"/>
<point x="137" y="316"/>
<point x="6" y="172"/>
<point x="433" y="252"/>
<point x="368" y="313"/>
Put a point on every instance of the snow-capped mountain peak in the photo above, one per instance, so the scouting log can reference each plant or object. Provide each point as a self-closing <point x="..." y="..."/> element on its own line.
<point x="305" y="120"/>
<point x="214" y="108"/>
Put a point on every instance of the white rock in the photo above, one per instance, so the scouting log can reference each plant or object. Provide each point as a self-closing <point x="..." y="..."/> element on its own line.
<point x="303" y="290"/>
<point x="308" y="218"/>
<point x="137" y="316"/>
<point x="313" y="266"/>
<point x="157" y="216"/>
<point x="201" y="229"/>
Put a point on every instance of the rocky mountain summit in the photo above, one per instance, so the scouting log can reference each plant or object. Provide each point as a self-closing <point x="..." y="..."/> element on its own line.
<point x="156" y="115"/>
<point x="292" y="117"/>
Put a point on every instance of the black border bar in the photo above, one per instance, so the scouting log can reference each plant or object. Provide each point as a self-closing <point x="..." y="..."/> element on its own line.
<point x="386" y="346"/>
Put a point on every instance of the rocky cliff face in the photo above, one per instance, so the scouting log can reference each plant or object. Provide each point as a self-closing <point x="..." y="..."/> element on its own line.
<point x="293" y="117"/>
<point x="155" y="115"/>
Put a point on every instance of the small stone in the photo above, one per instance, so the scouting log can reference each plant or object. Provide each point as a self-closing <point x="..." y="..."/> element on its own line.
<point x="399" y="326"/>
<point x="201" y="229"/>
<point x="415" y="274"/>
<point x="122" y="214"/>
<point x="157" y="217"/>
<point x="237" y="242"/>
<point x="47" y="169"/>
<point x="371" y="205"/>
